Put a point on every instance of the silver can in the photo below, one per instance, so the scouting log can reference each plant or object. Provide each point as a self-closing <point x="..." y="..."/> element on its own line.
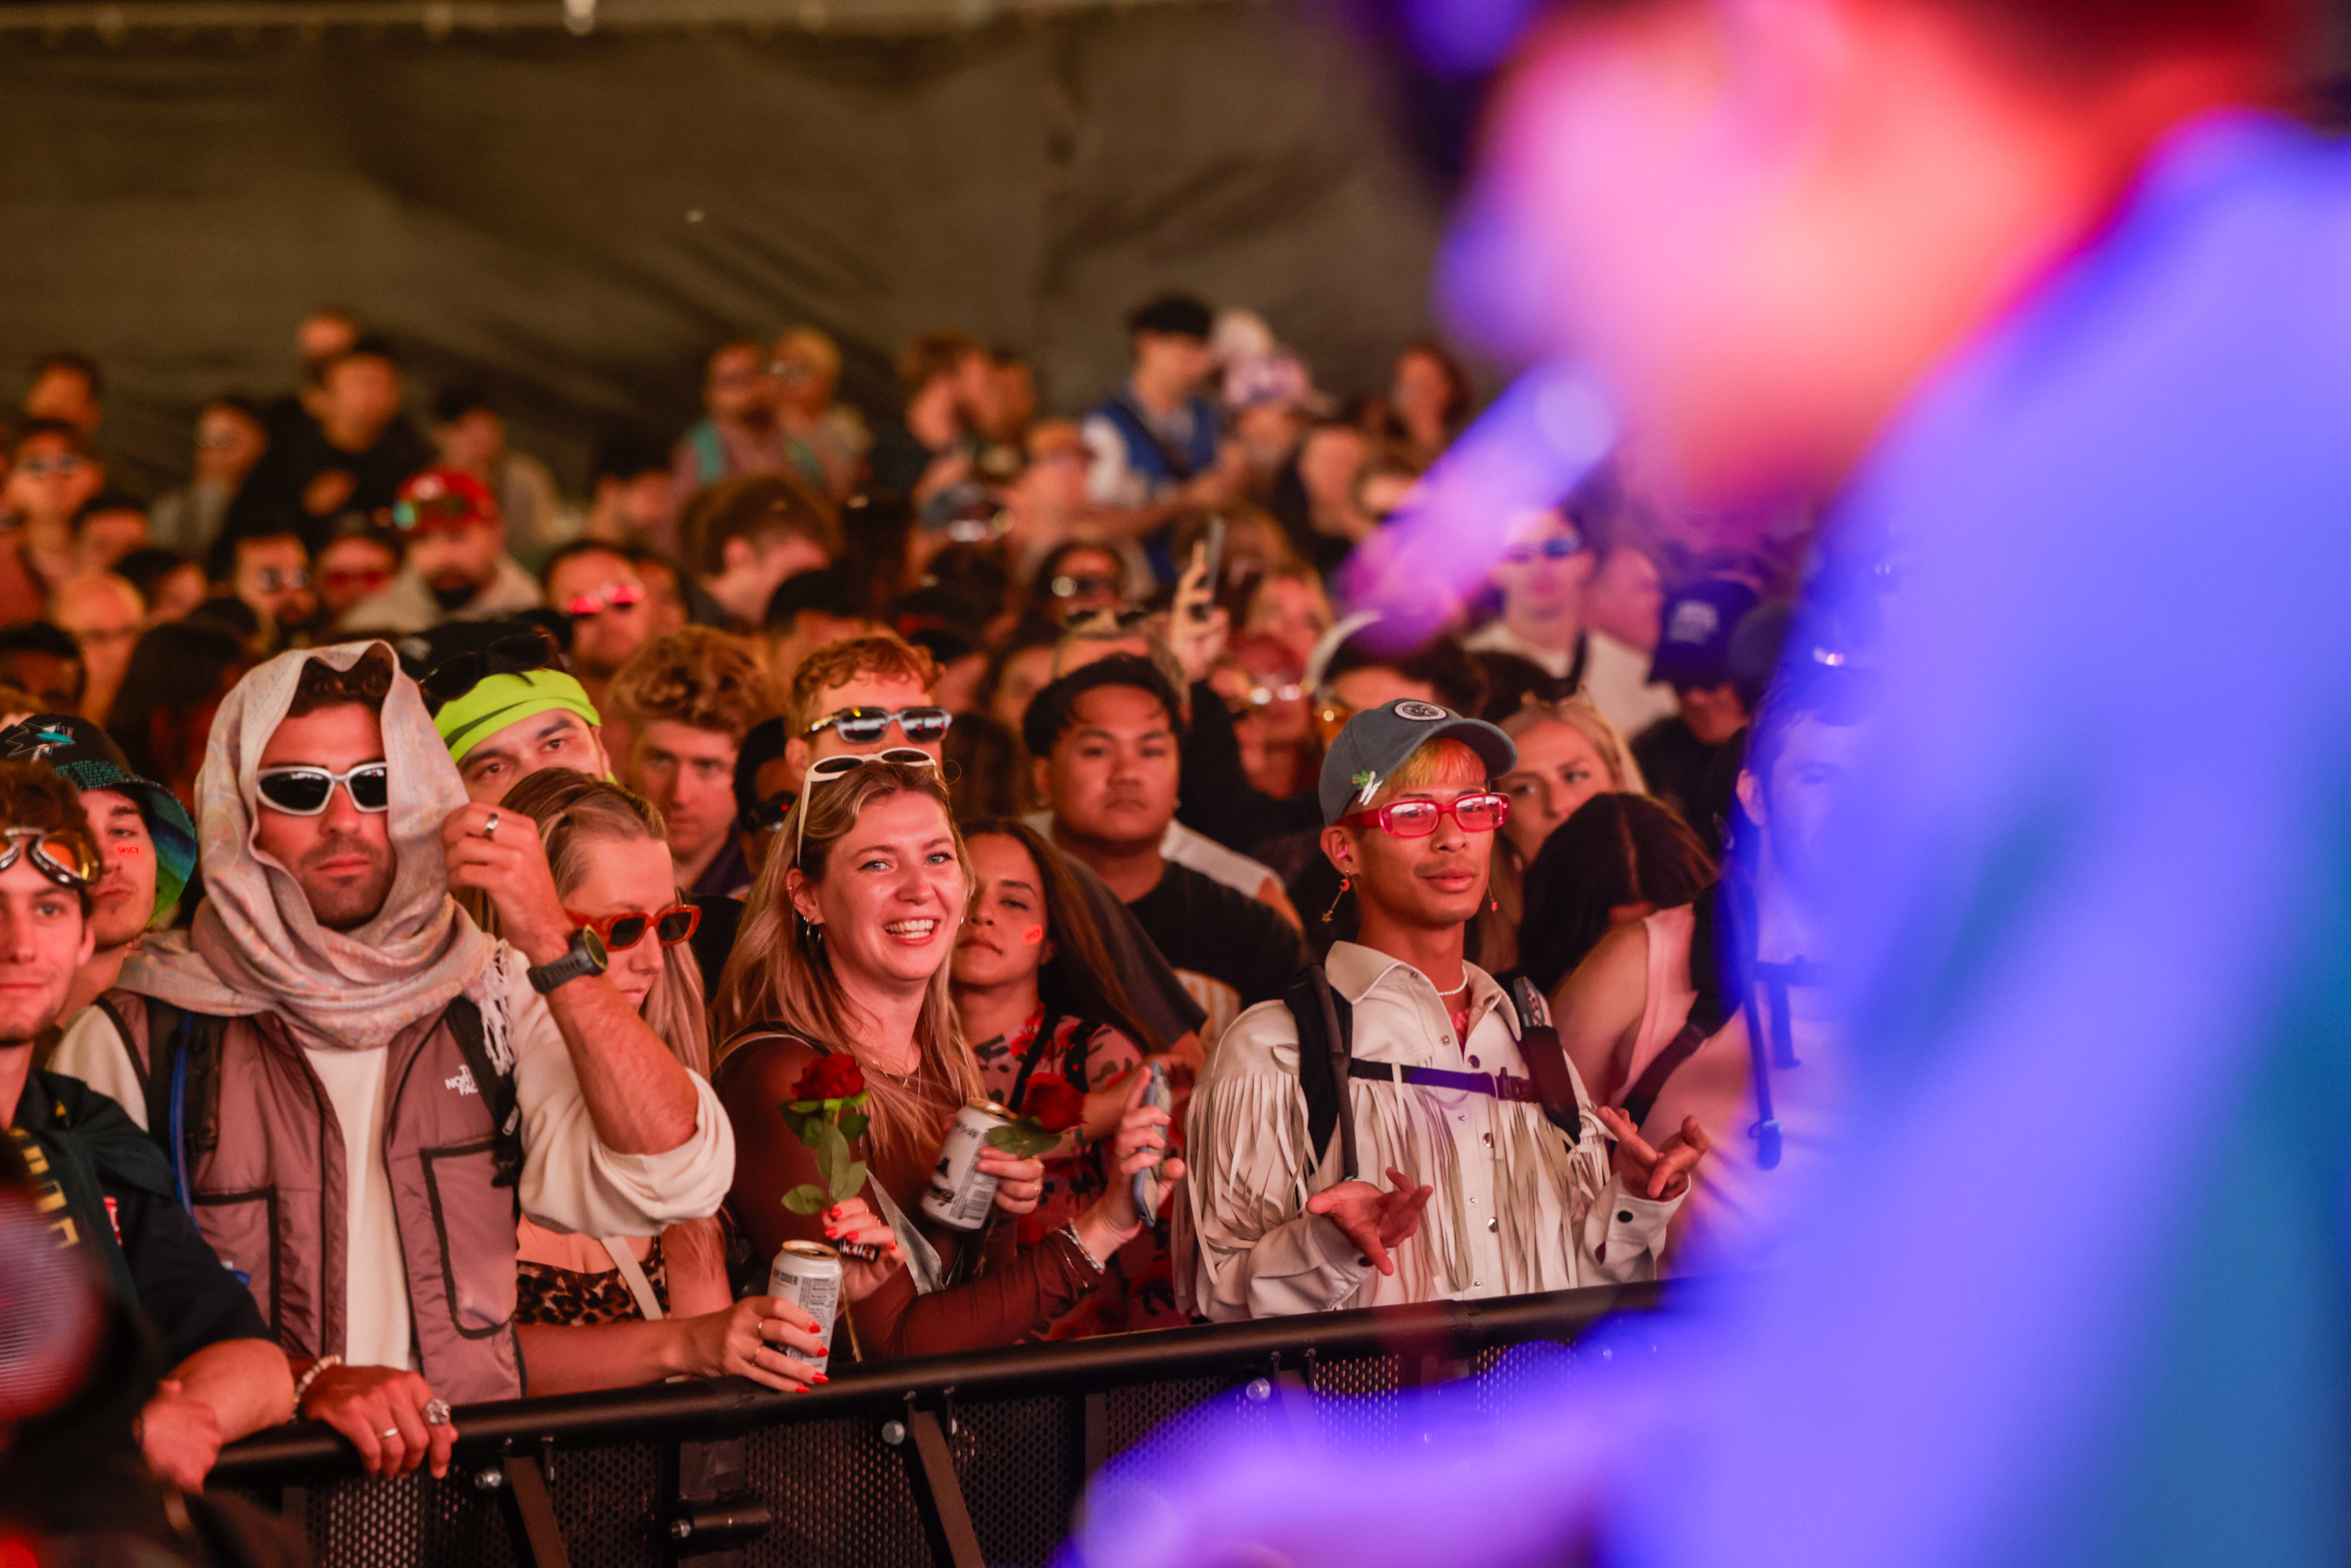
<point x="807" y="1274"/>
<point x="961" y="1193"/>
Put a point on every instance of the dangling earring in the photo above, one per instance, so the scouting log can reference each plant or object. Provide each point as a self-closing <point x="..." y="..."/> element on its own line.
<point x="815" y="930"/>
<point x="1329" y="914"/>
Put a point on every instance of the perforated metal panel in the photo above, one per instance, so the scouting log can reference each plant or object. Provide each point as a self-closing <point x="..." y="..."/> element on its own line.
<point x="839" y="1497"/>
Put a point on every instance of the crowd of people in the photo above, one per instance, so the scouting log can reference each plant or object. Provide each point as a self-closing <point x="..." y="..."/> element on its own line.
<point x="422" y="889"/>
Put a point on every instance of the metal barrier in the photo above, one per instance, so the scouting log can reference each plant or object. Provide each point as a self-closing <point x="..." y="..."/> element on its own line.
<point x="959" y="1460"/>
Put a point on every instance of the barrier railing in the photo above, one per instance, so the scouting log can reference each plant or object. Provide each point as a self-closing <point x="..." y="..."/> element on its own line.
<point x="960" y="1461"/>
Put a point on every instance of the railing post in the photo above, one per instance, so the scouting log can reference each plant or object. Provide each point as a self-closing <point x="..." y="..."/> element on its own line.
<point x="541" y="1538"/>
<point x="938" y="1493"/>
<point x="716" y="1511"/>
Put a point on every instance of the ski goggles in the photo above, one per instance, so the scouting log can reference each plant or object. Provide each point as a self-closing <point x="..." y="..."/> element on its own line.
<point x="826" y="770"/>
<point x="304" y="792"/>
<point x="670" y="927"/>
<point x="864" y="726"/>
<point x="1479" y="813"/>
<point x="64" y="860"/>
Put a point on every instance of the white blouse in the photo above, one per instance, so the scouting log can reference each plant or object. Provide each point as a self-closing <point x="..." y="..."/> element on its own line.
<point x="1517" y="1209"/>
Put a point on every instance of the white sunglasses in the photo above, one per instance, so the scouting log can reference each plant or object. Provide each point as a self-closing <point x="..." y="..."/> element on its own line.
<point x="826" y="770"/>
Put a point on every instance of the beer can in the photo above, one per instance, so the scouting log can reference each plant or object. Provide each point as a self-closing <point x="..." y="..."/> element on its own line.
<point x="961" y="1194"/>
<point x="807" y="1274"/>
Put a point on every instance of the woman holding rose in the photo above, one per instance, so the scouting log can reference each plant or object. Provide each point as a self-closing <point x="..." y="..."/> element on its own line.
<point x="844" y="952"/>
<point x="1056" y="1037"/>
<point x="614" y="1312"/>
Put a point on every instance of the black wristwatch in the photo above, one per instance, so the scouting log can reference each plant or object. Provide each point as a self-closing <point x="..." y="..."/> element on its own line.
<point x="586" y="956"/>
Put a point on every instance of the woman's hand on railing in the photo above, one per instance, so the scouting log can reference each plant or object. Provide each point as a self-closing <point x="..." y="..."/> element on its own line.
<point x="752" y="1339"/>
<point x="855" y="1223"/>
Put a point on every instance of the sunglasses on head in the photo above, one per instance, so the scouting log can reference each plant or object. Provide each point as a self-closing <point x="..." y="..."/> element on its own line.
<point x="824" y="770"/>
<point x="613" y="596"/>
<point x="864" y="726"/>
<point x="517" y="654"/>
<point x="670" y="927"/>
<point x="1559" y="547"/>
<point x="1480" y="813"/>
<point x="63" y="860"/>
<point x="304" y="792"/>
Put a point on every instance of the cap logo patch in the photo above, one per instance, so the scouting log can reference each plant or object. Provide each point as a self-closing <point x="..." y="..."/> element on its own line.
<point x="1425" y="713"/>
<point x="1693" y="621"/>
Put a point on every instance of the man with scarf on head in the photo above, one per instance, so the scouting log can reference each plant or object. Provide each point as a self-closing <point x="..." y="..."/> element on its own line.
<point x="146" y="845"/>
<point x="357" y="1087"/>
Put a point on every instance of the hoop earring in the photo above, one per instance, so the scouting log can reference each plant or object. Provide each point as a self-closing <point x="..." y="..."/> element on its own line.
<point x="1332" y="912"/>
<point x="815" y="929"/>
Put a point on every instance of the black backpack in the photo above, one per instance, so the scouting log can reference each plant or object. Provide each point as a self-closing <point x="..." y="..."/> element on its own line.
<point x="181" y="1078"/>
<point x="1325" y="1023"/>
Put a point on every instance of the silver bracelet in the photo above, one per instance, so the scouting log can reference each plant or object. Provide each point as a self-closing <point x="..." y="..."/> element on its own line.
<point x="1071" y="1230"/>
<point x="302" y="1384"/>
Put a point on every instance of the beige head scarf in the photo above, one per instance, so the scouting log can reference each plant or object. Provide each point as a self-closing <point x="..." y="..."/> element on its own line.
<point x="256" y="947"/>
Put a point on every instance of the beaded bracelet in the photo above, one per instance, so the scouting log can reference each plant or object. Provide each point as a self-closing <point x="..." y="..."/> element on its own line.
<point x="302" y="1384"/>
<point x="1071" y="1230"/>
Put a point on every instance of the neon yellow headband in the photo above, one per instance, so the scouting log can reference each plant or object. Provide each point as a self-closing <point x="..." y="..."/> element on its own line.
<point x="501" y="700"/>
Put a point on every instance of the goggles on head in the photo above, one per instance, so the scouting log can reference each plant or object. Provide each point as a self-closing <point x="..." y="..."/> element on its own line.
<point x="1482" y="813"/>
<point x="864" y="726"/>
<point x="304" y="792"/>
<point x="64" y="860"/>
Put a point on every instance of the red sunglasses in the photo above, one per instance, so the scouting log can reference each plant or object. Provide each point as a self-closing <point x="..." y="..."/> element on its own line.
<point x="671" y="925"/>
<point x="1480" y="813"/>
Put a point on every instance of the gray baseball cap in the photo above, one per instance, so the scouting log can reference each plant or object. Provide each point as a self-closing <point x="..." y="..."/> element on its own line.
<point x="1376" y="742"/>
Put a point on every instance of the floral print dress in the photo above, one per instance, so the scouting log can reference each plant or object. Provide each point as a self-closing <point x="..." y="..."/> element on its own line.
<point x="1137" y="1290"/>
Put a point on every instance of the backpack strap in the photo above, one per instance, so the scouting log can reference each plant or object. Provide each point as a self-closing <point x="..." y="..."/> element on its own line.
<point x="498" y="1097"/>
<point x="1325" y="1023"/>
<point x="1546" y="1059"/>
<point x="1709" y="1010"/>
<point x="1122" y="412"/>
<point x="183" y="1084"/>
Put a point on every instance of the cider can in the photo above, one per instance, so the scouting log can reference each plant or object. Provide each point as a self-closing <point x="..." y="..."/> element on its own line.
<point x="961" y="1193"/>
<point x="807" y="1274"/>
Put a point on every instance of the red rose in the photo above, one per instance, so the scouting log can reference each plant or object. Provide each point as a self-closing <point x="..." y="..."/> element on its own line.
<point x="1053" y="1104"/>
<point x="833" y="1077"/>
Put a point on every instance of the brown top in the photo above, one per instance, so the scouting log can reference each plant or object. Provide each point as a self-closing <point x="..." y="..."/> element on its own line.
<point x="996" y="1290"/>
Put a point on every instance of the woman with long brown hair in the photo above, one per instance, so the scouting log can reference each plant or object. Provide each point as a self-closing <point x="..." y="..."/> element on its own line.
<point x="1038" y="995"/>
<point x="844" y="948"/>
<point x="612" y="1312"/>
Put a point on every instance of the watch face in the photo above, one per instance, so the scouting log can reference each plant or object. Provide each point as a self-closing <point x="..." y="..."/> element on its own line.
<point x="593" y="945"/>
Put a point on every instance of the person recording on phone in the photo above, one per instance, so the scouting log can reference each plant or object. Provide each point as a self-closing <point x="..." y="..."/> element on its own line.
<point x="1500" y="1174"/>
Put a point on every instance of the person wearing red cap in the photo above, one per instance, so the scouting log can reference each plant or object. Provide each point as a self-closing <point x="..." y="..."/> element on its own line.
<point x="457" y="568"/>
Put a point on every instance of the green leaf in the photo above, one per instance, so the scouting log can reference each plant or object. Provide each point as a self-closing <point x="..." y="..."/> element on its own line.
<point x="1022" y="1140"/>
<point x="832" y="1157"/>
<point x="853" y="1124"/>
<point x="852" y="1182"/>
<point x="806" y="1200"/>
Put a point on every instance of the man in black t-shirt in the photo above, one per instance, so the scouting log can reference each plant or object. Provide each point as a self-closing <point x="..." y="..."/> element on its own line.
<point x="1105" y="737"/>
<point x="100" y="1185"/>
<point x="1676" y="753"/>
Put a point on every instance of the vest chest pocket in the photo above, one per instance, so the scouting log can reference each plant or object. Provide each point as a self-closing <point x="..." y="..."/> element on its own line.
<point x="473" y="1232"/>
<point x="241" y="1227"/>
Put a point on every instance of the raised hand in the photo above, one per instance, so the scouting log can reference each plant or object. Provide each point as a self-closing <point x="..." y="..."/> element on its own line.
<point x="1659" y="1173"/>
<point x="855" y="1223"/>
<point x="499" y="853"/>
<point x="1020" y="1184"/>
<point x="1374" y="1220"/>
